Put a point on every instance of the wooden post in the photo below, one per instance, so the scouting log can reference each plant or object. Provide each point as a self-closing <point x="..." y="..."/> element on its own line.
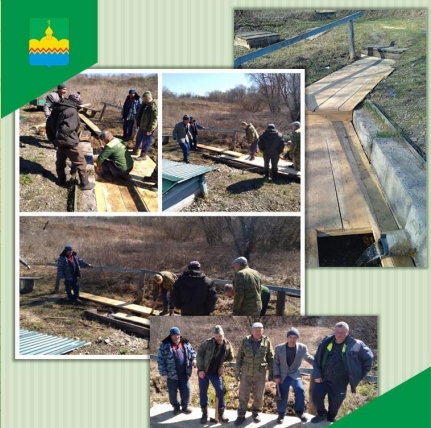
<point x="281" y="303"/>
<point x="103" y="111"/>
<point x="141" y="288"/>
<point x="311" y="407"/>
<point x="57" y="284"/>
<point x="351" y="36"/>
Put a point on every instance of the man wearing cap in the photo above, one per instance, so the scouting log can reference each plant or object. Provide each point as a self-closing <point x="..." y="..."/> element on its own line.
<point x="271" y="145"/>
<point x="183" y="136"/>
<point x="264" y="295"/>
<point x="287" y="361"/>
<point x="176" y="359"/>
<point x="115" y="161"/>
<point x="129" y="112"/>
<point x="340" y="360"/>
<point x="252" y="138"/>
<point x="146" y="120"/>
<point x="164" y="282"/>
<point x="213" y="356"/>
<point x="62" y="127"/>
<point x="295" y="149"/>
<point x="247" y="286"/>
<point x="194" y="133"/>
<point x="69" y="268"/>
<point x="54" y="97"/>
<point x="194" y="293"/>
<point x="255" y="358"/>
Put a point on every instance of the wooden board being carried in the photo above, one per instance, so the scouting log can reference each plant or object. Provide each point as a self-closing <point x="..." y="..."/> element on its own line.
<point x="138" y="309"/>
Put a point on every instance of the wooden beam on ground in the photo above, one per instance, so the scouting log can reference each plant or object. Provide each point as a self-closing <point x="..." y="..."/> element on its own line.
<point x="132" y="318"/>
<point x="219" y="150"/>
<point x="143" y="331"/>
<point x="142" y="310"/>
<point x="94" y="128"/>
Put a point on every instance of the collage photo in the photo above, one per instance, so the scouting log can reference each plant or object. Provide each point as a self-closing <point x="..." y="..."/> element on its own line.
<point x="180" y="217"/>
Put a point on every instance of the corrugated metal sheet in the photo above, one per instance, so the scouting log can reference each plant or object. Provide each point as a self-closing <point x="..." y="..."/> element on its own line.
<point x="34" y="343"/>
<point x="181" y="191"/>
<point x="176" y="172"/>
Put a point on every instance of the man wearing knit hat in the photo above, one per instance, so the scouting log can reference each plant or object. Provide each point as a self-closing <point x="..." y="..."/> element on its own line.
<point x="255" y="358"/>
<point x="252" y="138"/>
<point x="194" y="293"/>
<point x="287" y="361"/>
<point x="271" y="144"/>
<point x="247" y="286"/>
<point x="69" y="268"/>
<point x="212" y="357"/>
<point x="340" y="361"/>
<point x="130" y="109"/>
<point x="183" y="136"/>
<point x="146" y="121"/>
<point x="175" y="360"/>
<point x="163" y="283"/>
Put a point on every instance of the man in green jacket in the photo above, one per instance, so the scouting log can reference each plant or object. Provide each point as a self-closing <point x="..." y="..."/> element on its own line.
<point x="247" y="288"/>
<point x="212" y="356"/>
<point x="295" y="150"/>
<point x="252" y="138"/>
<point x="265" y="296"/>
<point x="146" y="120"/>
<point x="115" y="160"/>
<point x="255" y="358"/>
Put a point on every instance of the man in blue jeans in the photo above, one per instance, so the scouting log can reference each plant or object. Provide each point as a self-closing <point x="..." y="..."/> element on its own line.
<point x="183" y="136"/>
<point x="211" y="359"/>
<point x="175" y="361"/>
<point x="287" y="361"/>
<point x="69" y="268"/>
<point x="340" y="360"/>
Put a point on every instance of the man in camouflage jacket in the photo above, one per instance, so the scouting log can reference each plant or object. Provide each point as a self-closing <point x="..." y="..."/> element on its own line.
<point x="164" y="282"/>
<point x="295" y="150"/>
<point x="247" y="288"/>
<point x="175" y="361"/>
<point x="255" y="358"/>
<point x="213" y="354"/>
<point x="146" y="120"/>
<point x="252" y="138"/>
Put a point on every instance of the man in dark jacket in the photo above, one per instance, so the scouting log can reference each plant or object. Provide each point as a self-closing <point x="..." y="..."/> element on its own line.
<point x="271" y="145"/>
<point x="182" y="135"/>
<point x="340" y="360"/>
<point x="146" y="120"/>
<point x="194" y="126"/>
<point x="213" y="354"/>
<point x="175" y="361"/>
<point x="194" y="293"/>
<point x="128" y="113"/>
<point x="63" y="127"/>
<point x="69" y="268"/>
<point x="115" y="161"/>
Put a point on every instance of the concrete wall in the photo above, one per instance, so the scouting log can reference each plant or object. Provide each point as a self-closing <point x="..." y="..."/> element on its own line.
<point x="402" y="177"/>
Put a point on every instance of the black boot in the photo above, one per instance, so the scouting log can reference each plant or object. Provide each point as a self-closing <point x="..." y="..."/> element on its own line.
<point x="204" y="418"/>
<point x="221" y="418"/>
<point x="61" y="180"/>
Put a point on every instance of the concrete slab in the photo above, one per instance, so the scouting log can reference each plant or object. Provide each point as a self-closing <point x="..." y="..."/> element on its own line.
<point x="161" y="416"/>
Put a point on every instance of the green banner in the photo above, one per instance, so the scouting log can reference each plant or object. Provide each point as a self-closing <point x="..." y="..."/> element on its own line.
<point x="44" y="44"/>
<point x="404" y="406"/>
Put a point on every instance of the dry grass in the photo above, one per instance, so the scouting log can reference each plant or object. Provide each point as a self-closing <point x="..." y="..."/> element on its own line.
<point x="312" y="330"/>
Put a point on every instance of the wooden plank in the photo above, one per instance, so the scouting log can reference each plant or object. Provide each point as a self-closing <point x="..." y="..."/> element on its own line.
<point x="89" y="123"/>
<point x="219" y="150"/>
<point x="320" y="196"/>
<point x="122" y="325"/>
<point x="311" y="249"/>
<point x="132" y="318"/>
<point x="142" y="310"/>
<point x="351" y="201"/>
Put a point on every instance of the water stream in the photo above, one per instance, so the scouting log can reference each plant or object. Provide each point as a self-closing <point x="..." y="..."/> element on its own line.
<point x="373" y="252"/>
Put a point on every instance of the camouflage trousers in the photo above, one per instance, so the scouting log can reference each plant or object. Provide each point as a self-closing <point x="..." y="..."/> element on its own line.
<point x="251" y="384"/>
<point x="295" y="153"/>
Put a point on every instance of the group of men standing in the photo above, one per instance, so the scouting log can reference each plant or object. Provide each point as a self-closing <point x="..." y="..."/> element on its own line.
<point x="194" y="293"/>
<point x="340" y="360"/>
<point x="115" y="161"/>
<point x="271" y="144"/>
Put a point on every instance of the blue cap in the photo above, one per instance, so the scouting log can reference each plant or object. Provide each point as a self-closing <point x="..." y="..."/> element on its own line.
<point x="68" y="248"/>
<point x="174" y="330"/>
<point x="132" y="91"/>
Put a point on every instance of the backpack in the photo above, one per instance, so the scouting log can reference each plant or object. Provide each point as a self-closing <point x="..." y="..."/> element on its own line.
<point x="53" y="123"/>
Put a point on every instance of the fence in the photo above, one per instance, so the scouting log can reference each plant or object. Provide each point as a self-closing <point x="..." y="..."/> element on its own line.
<point x="264" y="51"/>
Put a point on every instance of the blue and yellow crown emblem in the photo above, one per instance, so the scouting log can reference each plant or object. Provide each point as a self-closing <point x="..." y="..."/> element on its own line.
<point x="49" y="50"/>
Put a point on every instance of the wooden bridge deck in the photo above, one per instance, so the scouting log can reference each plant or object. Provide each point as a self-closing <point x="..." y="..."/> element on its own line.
<point x="134" y="195"/>
<point x="346" y="88"/>
<point x="342" y="194"/>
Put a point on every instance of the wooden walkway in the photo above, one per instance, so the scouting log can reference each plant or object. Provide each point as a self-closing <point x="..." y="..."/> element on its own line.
<point x="342" y="194"/>
<point x="134" y="195"/>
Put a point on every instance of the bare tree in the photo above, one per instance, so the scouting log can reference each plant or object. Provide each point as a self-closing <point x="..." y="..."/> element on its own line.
<point x="268" y="87"/>
<point x="289" y="87"/>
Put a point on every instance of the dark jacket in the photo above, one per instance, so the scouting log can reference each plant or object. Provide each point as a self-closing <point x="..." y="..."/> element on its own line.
<point x="194" y="293"/>
<point x="358" y="359"/>
<point x="131" y="107"/>
<point x="206" y="352"/>
<point x="63" y="124"/>
<point x="66" y="270"/>
<point x="271" y="142"/>
<point x="166" y="358"/>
